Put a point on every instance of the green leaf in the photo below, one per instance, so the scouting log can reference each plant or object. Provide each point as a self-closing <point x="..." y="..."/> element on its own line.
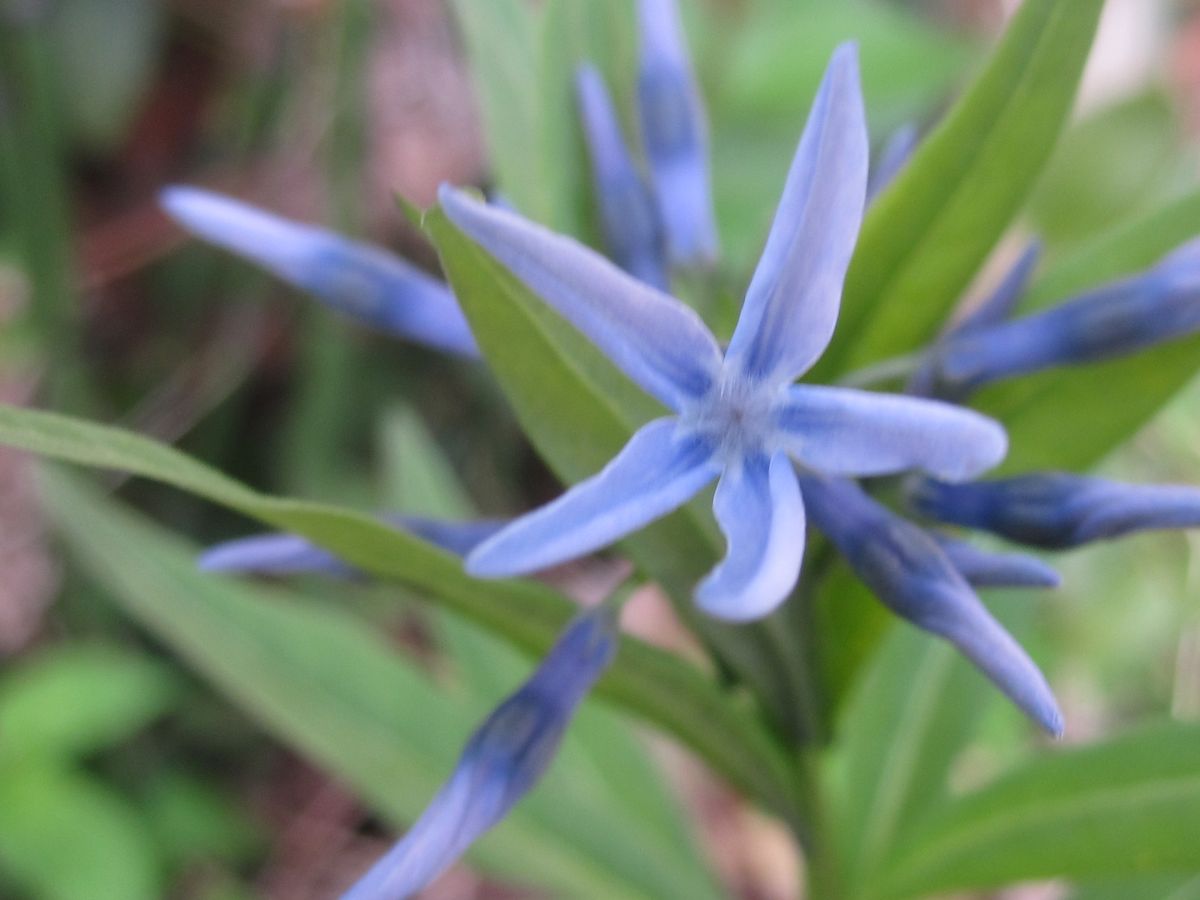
<point x="64" y="836"/>
<point x="523" y="59"/>
<point x="1116" y="162"/>
<point x="667" y="692"/>
<point x="776" y="60"/>
<point x="918" y="704"/>
<point x="927" y="235"/>
<point x="77" y="699"/>
<point x="324" y="682"/>
<point x="193" y="821"/>
<point x="1074" y="416"/>
<point x="579" y="410"/>
<point x="107" y="50"/>
<point x="1130" y="805"/>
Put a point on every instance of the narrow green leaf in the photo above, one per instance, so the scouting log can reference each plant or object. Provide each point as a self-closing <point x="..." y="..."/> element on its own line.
<point x="918" y="704"/>
<point x="1074" y="416"/>
<point x="1131" y="805"/>
<point x="77" y="699"/>
<point x="65" y="836"/>
<point x="324" y="682"/>
<point x="927" y="235"/>
<point x="655" y="685"/>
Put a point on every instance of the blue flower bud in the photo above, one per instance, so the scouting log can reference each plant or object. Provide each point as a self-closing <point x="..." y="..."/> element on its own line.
<point x="674" y="133"/>
<point x="893" y="157"/>
<point x="632" y="231"/>
<point x="993" y="310"/>
<point x="1115" y="320"/>
<point x="289" y="554"/>
<point x="910" y="574"/>
<point x="503" y="760"/>
<point x="982" y="568"/>
<point x="362" y="281"/>
<point x="1056" y="510"/>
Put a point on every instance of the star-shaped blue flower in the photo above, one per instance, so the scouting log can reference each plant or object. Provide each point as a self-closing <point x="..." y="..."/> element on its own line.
<point x="737" y="414"/>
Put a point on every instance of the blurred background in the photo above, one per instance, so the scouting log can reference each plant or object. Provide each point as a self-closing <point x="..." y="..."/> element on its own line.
<point x="323" y="110"/>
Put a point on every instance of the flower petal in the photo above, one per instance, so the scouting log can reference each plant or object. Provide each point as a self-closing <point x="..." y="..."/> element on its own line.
<point x="289" y="554"/>
<point x="842" y="431"/>
<point x="905" y="569"/>
<point x="359" y="280"/>
<point x="792" y="303"/>
<point x="632" y="231"/>
<point x="982" y="568"/>
<point x="273" y="554"/>
<point x="657" y="471"/>
<point x="501" y="763"/>
<point x="675" y="135"/>
<point x="759" y="509"/>
<point x="660" y="343"/>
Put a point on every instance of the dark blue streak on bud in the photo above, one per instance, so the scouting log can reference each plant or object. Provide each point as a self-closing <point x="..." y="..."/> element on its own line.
<point x="1057" y="510"/>
<point x="1112" y="321"/>
<point x="909" y="573"/>
<point x="893" y="157"/>
<point x="502" y="761"/>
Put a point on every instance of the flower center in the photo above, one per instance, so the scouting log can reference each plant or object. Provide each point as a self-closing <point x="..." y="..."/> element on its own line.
<point x="735" y="416"/>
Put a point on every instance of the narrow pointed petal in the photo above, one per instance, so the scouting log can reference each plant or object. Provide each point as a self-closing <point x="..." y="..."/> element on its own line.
<point x="656" y="340"/>
<point x="657" y="471"/>
<point x="359" y="280"/>
<point x="792" y="303"/>
<point x="1057" y="510"/>
<point x="273" y="554"/>
<point x="288" y="554"/>
<point x="759" y="509"/>
<point x="675" y="135"/>
<point x="632" y="231"/>
<point x="982" y="568"/>
<point x="1115" y="320"/>
<point x="501" y="763"/>
<point x="893" y="157"/>
<point x="910" y="574"/>
<point x="842" y="431"/>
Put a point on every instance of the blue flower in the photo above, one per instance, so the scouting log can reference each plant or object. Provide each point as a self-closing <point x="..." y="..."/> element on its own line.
<point x="1057" y="510"/>
<point x="362" y="281"/>
<point x="629" y="218"/>
<point x="910" y="574"/>
<point x="289" y="554"/>
<point x="675" y="135"/>
<point x="737" y="413"/>
<point x="501" y="763"/>
<point x="1159" y="305"/>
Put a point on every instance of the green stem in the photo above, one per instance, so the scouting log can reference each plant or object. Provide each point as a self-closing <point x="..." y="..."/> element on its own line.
<point x="822" y="867"/>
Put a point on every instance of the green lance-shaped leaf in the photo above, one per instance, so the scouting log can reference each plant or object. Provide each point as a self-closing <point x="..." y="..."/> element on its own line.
<point x="917" y="704"/>
<point x="653" y="684"/>
<point x="1130" y="805"/>
<point x="928" y="233"/>
<point x="322" y="680"/>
